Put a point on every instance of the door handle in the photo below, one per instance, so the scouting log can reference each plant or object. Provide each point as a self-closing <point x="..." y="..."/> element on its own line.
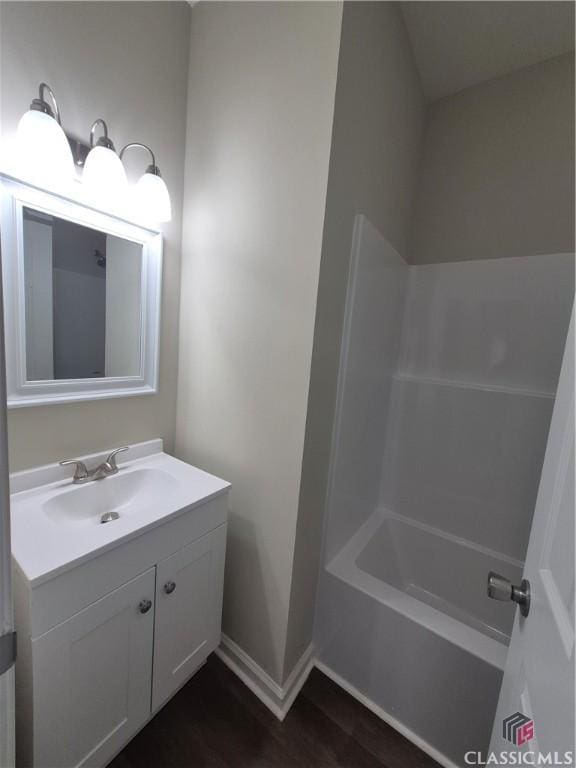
<point x="169" y="587"/>
<point x="501" y="588"/>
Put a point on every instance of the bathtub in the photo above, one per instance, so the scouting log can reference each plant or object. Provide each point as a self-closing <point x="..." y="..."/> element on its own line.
<point x="430" y="645"/>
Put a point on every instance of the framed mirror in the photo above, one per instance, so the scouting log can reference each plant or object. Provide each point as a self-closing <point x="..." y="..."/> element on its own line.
<point x="81" y="300"/>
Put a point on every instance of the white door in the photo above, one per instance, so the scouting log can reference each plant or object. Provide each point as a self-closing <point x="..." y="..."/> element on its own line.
<point x="7" y="646"/>
<point x="536" y="707"/>
<point x="7" y="757"/>
<point x="92" y="678"/>
<point x="189" y="587"/>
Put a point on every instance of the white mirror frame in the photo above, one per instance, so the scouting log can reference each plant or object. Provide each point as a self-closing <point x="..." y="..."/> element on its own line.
<point x="16" y="195"/>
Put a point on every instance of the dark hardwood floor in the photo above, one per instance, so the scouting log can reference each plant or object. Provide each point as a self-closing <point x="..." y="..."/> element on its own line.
<point x="216" y="722"/>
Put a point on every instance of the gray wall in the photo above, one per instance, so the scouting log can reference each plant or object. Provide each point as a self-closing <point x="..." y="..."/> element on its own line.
<point x="497" y="173"/>
<point x="130" y="65"/>
<point x="374" y="157"/>
<point x="261" y="101"/>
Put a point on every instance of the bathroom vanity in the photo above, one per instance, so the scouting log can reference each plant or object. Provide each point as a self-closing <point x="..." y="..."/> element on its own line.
<point x="111" y="618"/>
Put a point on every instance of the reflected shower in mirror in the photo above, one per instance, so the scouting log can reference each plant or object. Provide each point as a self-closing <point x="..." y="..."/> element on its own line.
<point x="83" y="301"/>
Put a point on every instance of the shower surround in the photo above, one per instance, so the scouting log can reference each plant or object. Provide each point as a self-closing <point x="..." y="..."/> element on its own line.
<point x="447" y="380"/>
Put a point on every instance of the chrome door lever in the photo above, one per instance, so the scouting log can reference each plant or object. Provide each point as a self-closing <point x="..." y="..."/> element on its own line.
<point x="500" y="588"/>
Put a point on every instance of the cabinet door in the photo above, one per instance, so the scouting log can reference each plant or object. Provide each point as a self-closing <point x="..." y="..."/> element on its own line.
<point x="92" y="678"/>
<point x="188" y="612"/>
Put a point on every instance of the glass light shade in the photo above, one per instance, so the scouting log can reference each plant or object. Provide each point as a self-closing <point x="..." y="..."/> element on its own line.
<point x="152" y="198"/>
<point x="104" y="176"/>
<point x="42" y="150"/>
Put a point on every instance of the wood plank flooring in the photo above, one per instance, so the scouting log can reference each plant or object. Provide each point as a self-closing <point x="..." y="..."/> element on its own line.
<point x="216" y="722"/>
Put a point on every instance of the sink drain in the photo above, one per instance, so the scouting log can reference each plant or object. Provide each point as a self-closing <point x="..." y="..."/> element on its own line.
<point x="107" y="517"/>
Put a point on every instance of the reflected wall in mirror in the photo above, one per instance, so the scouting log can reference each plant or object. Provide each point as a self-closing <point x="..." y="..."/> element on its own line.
<point x="83" y="300"/>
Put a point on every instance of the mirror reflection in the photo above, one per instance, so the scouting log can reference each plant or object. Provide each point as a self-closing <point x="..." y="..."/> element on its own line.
<point x="83" y="301"/>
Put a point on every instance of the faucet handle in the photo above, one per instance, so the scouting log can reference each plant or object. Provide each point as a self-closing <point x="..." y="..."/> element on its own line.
<point x="80" y="473"/>
<point x="111" y="460"/>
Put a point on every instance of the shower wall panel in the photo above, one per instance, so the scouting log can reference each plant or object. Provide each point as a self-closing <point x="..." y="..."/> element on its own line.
<point x="498" y="322"/>
<point x="472" y="398"/>
<point x="371" y="345"/>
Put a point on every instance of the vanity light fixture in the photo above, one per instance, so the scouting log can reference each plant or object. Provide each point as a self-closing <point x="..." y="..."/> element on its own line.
<point x="151" y="193"/>
<point x="104" y="175"/>
<point x="42" y="148"/>
<point x="46" y="155"/>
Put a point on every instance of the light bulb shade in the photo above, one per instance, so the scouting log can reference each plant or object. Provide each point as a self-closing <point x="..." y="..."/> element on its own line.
<point x="104" y="176"/>
<point x="42" y="150"/>
<point x="152" y="198"/>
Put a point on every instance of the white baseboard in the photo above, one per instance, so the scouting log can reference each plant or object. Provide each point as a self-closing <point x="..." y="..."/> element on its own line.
<point x="418" y="741"/>
<point x="278" y="698"/>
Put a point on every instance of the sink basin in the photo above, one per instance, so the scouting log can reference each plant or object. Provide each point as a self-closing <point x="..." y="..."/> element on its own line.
<point x="56" y="524"/>
<point x="124" y="494"/>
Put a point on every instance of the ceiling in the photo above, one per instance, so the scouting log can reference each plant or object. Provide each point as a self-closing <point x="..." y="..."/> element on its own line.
<point x="460" y="43"/>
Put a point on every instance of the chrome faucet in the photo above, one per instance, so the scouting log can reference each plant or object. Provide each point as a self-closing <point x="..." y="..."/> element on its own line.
<point x="83" y="475"/>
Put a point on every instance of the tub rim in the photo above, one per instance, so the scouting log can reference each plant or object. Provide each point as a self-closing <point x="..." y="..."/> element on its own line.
<point x="343" y="566"/>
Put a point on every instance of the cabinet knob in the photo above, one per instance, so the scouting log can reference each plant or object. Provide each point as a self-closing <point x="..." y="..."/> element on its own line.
<point x="169" y="587"/>
<point x="144" y="605"/>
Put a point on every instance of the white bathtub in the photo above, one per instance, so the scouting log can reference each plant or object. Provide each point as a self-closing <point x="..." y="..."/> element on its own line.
<point x="442" y="571"/>
<point x="430" y="645"/>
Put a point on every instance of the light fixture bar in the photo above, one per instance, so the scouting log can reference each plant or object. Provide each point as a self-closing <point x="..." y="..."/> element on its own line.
<point x="79" y="150"/>
<point x="47" y="154"/>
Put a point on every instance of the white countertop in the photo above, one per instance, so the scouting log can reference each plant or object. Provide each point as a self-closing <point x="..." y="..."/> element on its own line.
<point x="45" y="544"/>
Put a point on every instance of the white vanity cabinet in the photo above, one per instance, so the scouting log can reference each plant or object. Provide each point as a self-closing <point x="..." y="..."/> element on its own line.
<point x="91" y="678"/>
<point x="104" y="642"/>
